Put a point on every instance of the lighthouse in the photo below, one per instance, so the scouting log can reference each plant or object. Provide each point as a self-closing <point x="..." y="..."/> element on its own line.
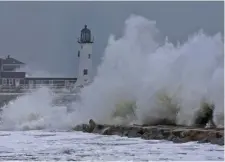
<point x="84" y="55"/>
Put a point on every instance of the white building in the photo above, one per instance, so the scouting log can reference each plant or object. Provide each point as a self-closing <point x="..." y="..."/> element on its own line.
<point x="85" y="57"/>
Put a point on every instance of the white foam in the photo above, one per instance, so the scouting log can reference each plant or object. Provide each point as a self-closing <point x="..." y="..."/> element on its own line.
<point x="138" y="67"/>
<point x="46" y="146"/>
<point x="34" y="111"/>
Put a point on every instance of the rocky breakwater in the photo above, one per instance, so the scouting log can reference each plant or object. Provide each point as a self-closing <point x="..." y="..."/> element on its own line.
<point x="177" y="134"/>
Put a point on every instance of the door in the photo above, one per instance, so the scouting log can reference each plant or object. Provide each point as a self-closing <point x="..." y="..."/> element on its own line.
<point x="17" y="82"/>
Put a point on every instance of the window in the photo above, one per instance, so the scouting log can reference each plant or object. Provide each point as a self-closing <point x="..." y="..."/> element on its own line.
<point x="85" y="71"/>
<point x="9" y="67"/>
<point x="89" y="56"/>
<point x="17" y="82"/>
<point x="38" y="81"/>
<point x="10" y="81"/>
<point x="31" y="82"/>
<point x="78" y="53"/>
<point x="4" y="81"/>
<point x="45" y="82"/>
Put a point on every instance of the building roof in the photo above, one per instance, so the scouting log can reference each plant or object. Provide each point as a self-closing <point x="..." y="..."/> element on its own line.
<point x="50" y="78"/>
<point x="10" y="60"/>
<point x="12" y="74"/>
<point x="85" y="29"/>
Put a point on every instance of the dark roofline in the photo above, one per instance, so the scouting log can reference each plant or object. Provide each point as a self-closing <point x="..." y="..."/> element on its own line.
<point x="51" y="78"/>
<point x="11" y="61"/>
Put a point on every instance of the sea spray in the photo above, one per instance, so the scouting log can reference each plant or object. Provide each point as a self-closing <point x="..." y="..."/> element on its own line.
<point x="165" y="81"/>
<point x="34" y="111"/>
<point x="136" y="67"/>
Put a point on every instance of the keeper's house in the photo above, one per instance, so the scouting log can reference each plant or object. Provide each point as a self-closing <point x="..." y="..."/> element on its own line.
<point x="11" y="80"/>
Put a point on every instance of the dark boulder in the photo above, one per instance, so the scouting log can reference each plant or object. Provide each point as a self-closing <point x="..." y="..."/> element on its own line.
<point x="204" y="116"/>
<point x="92" y="125"/>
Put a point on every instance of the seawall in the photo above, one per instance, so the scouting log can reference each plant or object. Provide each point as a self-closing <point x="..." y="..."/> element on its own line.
<point x="176" y="134"/>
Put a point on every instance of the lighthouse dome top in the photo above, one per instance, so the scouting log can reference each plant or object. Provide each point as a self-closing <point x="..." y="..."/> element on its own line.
<point x="85" y="29"/>
<point x="85" y="35"/>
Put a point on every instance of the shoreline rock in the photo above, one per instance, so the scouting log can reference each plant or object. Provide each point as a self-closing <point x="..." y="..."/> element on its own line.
<point x="176" y="134"/>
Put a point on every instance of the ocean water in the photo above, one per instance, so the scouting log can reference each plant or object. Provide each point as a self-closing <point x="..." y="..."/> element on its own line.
<point x="78" y="146"/>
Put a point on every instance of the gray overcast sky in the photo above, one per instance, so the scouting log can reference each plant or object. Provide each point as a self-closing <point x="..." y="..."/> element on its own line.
<point x="44" y="34"/>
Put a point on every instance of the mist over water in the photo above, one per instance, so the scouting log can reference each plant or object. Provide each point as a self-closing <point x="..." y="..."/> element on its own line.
<point x="137" y="67"/>
<point x="34" y="111"/>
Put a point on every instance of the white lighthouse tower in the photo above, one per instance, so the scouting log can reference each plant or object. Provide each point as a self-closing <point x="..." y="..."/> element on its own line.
<point x="85" y="57"/>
